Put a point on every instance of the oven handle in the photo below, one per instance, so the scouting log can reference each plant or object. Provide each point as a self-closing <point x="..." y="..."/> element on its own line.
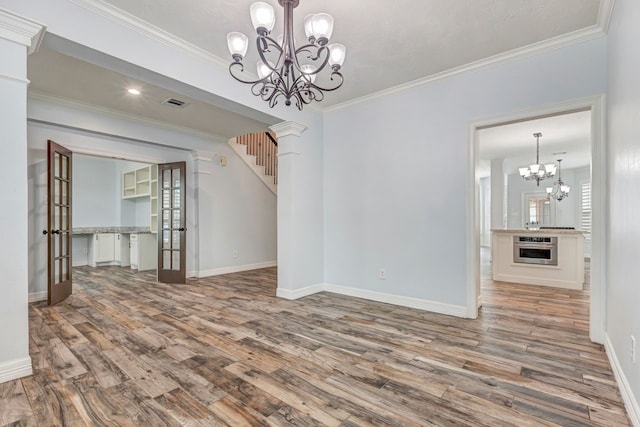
<point x="534" y="246"/>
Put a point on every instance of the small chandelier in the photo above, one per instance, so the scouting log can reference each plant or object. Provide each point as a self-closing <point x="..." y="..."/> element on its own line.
<point x="538" y="172"/>
<point x="560" y="190"/>
<point x="284" y="70"/>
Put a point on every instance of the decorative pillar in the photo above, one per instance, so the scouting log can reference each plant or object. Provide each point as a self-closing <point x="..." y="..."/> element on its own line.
<point x="18" y="37"/>
<point x="288" y="154"/>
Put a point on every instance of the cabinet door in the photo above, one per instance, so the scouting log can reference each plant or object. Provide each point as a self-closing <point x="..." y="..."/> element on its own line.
<point x="105" y="247"/>
<point x="117" y="249"/>
<point x="134" y="250"/>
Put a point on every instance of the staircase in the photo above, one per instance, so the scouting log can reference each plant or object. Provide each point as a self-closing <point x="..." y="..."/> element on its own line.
<point x="260" y="152"/>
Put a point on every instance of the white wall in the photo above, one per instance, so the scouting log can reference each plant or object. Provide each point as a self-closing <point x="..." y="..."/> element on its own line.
<point x="395" y="170"/>
<point x="623" y="188"/>
<point x="565" y="212"/>
<point x="95" y="185"/>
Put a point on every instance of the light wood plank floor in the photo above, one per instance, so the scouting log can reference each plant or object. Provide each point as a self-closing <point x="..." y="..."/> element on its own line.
<point x="124" y="350"/>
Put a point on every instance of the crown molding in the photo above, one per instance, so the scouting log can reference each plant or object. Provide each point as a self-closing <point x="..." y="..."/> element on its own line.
<point x="121" y="17"/>
<point x="21" y="30"/>
<point x="120" y="115"/>
<point x="604" y="15"/>
<point x="287" y="128"/>
<point x="598" y="30"/>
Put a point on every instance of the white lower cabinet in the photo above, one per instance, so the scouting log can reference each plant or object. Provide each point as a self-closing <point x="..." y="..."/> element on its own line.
<point x="122" y="251"/>
<point x="101" y="248"/>
<point x="144" y="251"/>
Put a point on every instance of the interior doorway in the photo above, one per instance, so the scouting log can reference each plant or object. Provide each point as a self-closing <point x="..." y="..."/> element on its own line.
<point x="512" y="218"/>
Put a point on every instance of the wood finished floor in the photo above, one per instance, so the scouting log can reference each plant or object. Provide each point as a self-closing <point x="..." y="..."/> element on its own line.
<point x="124" y="350"/>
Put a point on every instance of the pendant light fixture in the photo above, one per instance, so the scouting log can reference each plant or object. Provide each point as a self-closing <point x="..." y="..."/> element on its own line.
<point x="537" y="172"/>
<point x="560" y="190"/>
<point x="285" y="70"/>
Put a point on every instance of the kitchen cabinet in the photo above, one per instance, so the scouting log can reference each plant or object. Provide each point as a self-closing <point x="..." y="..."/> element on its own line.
<point x="121" y="249"/>
<point x="101" y="248"/>
<point x="143" y="251"/>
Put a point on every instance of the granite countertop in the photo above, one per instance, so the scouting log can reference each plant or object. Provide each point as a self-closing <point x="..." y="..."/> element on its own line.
<point x="123" y="230"/>
<point x="546" y="231"/>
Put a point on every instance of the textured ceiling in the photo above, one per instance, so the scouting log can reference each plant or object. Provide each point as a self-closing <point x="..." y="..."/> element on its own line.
<point x="388" y="42"/>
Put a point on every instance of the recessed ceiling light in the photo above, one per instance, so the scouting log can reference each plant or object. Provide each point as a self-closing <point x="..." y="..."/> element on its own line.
<point x="133" y="91"/>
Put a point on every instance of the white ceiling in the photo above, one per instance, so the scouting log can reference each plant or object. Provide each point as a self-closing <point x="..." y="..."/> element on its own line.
<point x="388" y="44"/>
<point x="567" y="133"/>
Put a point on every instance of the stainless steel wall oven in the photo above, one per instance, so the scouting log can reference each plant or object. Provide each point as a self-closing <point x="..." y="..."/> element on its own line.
<point x="535" y="250"/>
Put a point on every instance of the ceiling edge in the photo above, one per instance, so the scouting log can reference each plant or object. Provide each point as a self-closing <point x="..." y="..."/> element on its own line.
<point x="548" y="45"/>
<point x="120" y="115"/>
<point x="126" y="19"/>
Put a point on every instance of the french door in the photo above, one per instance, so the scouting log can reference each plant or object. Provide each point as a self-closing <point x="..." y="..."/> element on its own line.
<point x="58" y="230"/>
<point x="172" y="229"/>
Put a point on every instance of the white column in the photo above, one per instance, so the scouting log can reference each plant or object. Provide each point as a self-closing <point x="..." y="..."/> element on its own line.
<point x="288" y="153"/>
<point x="497" y="193"/>
<point x="16" y="36"/>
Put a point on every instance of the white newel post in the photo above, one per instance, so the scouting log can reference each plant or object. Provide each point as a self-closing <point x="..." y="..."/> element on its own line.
<point x="288" y="154"/>
<point x="18" y="37"/>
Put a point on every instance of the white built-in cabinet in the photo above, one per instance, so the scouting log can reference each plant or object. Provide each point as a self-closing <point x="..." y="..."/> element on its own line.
<point x="103" y="247"/>
<point x="108" y="249"/>
<point x="143" y="182"/>
<point x="144" y="251"/>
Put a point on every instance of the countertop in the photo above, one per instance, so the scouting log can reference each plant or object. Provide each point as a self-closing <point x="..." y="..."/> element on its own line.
<point x="547" y="231"/>
<point x="122" y="230"/>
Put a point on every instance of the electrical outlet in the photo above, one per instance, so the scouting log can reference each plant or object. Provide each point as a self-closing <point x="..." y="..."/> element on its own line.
<point x="234" y="254"/>
<point x="633" y="349"/>
<point x="381" y="274"/>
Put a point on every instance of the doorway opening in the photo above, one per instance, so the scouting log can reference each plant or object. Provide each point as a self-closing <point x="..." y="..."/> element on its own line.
<point x="499" y="199"/>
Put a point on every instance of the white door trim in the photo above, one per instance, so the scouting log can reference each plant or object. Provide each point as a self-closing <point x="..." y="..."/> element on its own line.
<point x="595" y="104"/>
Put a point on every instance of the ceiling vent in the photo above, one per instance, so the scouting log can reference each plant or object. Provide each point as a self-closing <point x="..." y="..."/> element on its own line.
<point x="175" y="103"/>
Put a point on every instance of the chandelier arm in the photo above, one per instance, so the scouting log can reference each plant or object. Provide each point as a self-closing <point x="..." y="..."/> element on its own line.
<point x="330" y="89"/>
<point x="265" y="40"/>
<point x="234" y="65"/>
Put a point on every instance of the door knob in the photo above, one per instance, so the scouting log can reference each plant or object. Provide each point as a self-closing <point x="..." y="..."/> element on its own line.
<point x="181" y="229"/>
<point x="45" y="232"/>
<point x="56" y="231"/>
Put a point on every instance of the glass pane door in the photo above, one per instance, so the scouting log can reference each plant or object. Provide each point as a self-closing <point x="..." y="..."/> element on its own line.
<point x="59" y="223"/>
<point x="172" y="230"/>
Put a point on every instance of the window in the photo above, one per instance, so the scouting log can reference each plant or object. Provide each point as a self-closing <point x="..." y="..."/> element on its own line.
<point x="585" y="209"/>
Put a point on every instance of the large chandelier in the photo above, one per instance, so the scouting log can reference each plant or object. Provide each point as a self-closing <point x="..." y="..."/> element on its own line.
<point x="560" y="190"/>
<point x="284" y="70"/>
<point x="538" y="171"/>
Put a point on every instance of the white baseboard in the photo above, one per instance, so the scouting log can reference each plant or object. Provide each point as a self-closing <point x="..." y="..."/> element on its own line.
<point x="15" y="369"/>
<point x="235" y="269"/>
<point x="299" y="293"/>
<point x="38" y="296"/>
<point x="630" y="402"/>
<point x="421" y="304"/>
